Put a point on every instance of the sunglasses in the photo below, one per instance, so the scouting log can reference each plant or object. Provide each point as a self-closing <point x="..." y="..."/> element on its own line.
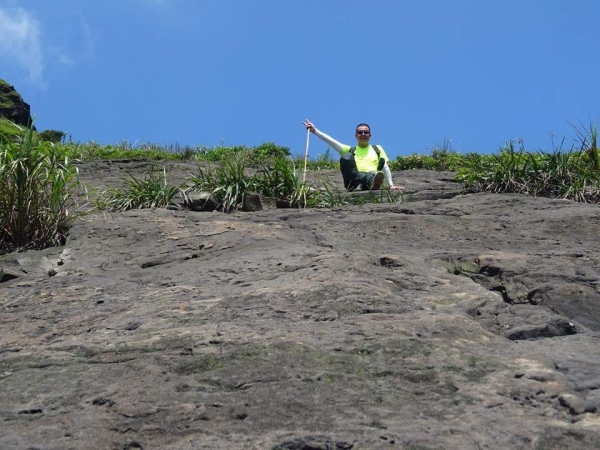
<point x="363" y="133"/>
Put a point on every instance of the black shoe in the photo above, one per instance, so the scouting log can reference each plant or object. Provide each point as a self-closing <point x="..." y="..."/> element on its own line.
<point x="377" y="181"/>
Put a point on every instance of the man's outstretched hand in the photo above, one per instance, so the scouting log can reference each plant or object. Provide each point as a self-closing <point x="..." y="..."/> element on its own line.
<point x="309" y="126"/>
<point x="395" y="187"/>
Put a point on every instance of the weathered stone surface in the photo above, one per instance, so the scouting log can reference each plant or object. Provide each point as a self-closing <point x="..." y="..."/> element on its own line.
<point x="545" y="328"/>
<point x="289" y="328"/>
<point x="7" y="274"/>
<point x="199" y="201"/>
<point x="252" y="202"/>
<point x="575" y="404"/>
<point x="592" y="402"/>
<point x="313" y="443"/>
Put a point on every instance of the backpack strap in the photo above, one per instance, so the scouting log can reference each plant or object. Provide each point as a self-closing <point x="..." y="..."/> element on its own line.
<point x="377" y="150"/>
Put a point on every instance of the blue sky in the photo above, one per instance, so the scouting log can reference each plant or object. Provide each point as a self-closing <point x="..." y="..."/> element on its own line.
<point x="205" y="72"/>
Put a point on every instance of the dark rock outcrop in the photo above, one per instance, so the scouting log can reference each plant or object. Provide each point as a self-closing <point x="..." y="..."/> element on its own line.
<point x="12" y="105"/>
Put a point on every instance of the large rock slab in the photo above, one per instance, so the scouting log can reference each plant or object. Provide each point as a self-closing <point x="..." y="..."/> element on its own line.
<point x="373" y="326"/>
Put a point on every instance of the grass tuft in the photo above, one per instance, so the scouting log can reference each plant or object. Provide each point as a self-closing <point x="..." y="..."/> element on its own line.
<point x="571" y="174"/>
<point x="227" y="183"/>
<point x="151" y="191"/>
<point x="279" y="179"/>
<point x="37" y="185"/>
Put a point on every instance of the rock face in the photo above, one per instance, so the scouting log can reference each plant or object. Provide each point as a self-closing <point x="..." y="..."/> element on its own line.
<point x="456" y="322"/>
<point x="12" y="106"/>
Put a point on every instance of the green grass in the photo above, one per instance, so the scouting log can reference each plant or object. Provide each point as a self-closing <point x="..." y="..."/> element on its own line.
<point x="252" y="156"/>
<point x="588" y="139"/>
<point x="93" y="150"/>
<point x="9" y="132"/>
<point x="571" y="174"/>
<point x="280" y="179"/>
<point x="151" y="191"/>
<point x="323" y="161"/>
<point x="230" y="180"/>
<point x="36" y="194"/>
<point x="437" y="160"/>
<point x="227" y="182"/>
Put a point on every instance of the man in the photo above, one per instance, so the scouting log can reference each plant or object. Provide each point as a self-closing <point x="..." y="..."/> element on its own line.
<point x="363" y="167"/>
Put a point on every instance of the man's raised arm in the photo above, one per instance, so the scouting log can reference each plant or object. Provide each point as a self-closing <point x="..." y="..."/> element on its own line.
<point x="338" y="146"/>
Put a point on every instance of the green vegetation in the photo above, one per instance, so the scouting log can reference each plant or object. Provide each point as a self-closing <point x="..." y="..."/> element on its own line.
<point x="588" y="138"/>
<point x="323" y="161"/>
<point x="279" y="179"/>
<point x="572" y="174"/>
<point x="7" y="99"/>
<point x="9" y="132"/>
<point x="439" y="161"/>
<point x="93" y="150"/>
<point x="36" y="187"/>
<point x="443" y="157"/>
<point x="227" y="182"/>
<point x="54" y="136"/>
<point x="252" y="156"/>
<point x="152" y="191"/>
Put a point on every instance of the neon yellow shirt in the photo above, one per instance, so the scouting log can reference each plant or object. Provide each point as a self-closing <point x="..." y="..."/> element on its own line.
<point x="366" y="157"/>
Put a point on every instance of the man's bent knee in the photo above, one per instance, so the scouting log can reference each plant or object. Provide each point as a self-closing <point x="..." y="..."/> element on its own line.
<point x="347" y="157"/>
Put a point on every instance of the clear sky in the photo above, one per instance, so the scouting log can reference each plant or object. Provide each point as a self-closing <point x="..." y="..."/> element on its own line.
<point x="204" y="72"/>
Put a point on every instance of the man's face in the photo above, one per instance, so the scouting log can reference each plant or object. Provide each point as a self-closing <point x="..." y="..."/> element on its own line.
<point x="363" y="134"/>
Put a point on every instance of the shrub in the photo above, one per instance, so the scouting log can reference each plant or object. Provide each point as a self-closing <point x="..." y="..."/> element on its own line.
<point x="413" y="162"/>
<point x="53" y="136"/>
<point x="442" y="158"/>
<point x="253" y="156"/>
<point x="440" y="161"/>
<point x="220" y="153"/>
<point x="269" y="150"/>
<point x="36" y="192"/>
